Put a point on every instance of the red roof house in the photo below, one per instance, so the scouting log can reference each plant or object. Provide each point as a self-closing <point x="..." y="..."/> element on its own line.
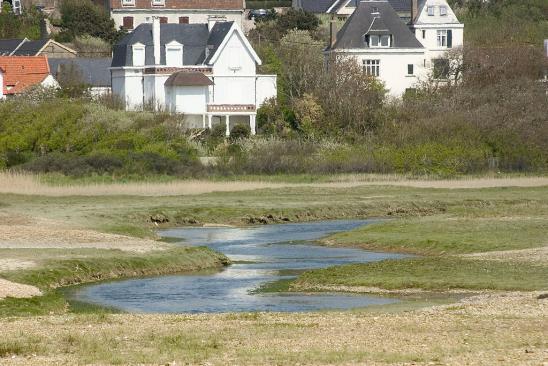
<point x="23" y="72"/>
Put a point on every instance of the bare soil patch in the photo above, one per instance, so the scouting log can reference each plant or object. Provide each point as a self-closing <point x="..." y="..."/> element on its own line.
<point x="43" y="236"/>
<point x="18" y="290"/>
<point x="533" y="255"/>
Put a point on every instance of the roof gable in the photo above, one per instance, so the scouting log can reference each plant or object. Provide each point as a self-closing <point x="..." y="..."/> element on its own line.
<point x="224" y="35"/>
<point x="378" y="17"/>
<point x="22" y="72"/>
<point x="424" y="18"/>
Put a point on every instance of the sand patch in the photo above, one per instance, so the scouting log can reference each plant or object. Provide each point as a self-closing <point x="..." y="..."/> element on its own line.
<point x="18" y="290"/>
<point x="533" y="255"/>
<point x="44" y="237"/>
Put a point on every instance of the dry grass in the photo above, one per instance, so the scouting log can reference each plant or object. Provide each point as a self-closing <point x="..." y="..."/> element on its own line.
<point x="491" y="329"/>
<point x="28" y="184"/>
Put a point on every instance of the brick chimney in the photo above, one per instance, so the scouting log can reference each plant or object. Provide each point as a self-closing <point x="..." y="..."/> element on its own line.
<point x="414" y="10"/>
<point x="156" y="39"/>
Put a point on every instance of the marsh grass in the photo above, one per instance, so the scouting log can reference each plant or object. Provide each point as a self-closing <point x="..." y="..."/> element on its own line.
<point x="59" y="186"/>
<point x="435" y="273"/>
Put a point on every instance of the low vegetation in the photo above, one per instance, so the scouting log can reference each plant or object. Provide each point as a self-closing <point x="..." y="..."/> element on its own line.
<point x="433" y="274"/>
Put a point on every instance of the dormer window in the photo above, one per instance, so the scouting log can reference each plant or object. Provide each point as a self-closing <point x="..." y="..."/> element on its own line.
<point x="128" y="2"/>
<point x="430" y="10"/>
<point x="443" y="10"/>
<point x="138" y="54"/>
<point x="174" y="54"/>
<point x="158" y="2"/>
<point x="379" y="40"/>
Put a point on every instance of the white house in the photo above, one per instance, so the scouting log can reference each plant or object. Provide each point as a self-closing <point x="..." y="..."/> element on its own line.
<point x="129" y="14"/>
<point x="385" y="47"/>
<point x="399" y="54"/>
<point x="437" y="28"/>
<point x="209" y="75"/>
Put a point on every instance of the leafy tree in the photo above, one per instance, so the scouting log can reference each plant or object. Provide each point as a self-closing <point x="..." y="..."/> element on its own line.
<point x="297" y="19"/>
<point x="83" y="17"/>
<point x="26" y="25"/>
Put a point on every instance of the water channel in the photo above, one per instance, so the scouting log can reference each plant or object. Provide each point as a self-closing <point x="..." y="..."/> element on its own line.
<point x="261" y="255"/>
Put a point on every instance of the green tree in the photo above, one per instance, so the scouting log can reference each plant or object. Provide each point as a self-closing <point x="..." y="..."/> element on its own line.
<point x="26" y="25"/>
<point x="83" y="17"/>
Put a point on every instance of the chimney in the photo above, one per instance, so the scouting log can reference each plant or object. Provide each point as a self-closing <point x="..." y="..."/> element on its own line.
<point x="156" y="39"/>
<point x="414" y="10"/>
<point x="332" y="33"/>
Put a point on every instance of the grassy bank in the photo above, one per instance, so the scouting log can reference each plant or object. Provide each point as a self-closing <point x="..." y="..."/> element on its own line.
<point x="61" y="268"/>
<point x="436" y="274"/>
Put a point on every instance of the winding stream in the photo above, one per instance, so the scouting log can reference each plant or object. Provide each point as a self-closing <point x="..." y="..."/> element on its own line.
<point x="261" y="255"/>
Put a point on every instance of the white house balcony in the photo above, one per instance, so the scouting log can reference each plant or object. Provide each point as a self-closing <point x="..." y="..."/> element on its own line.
<point x="231" y="108"/>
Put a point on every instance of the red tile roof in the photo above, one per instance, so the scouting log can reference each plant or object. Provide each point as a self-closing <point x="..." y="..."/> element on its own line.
<point x="21" y="72"/>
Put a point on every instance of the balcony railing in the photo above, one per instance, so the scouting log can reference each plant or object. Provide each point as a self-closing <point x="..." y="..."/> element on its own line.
<point x="230" y="108"/>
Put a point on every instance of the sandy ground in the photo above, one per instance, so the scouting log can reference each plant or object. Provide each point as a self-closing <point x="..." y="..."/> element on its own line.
<point x="533" y="255"/>
<point x="12" y="289"/>
<point x="490" y="329"/>
<point x="23" y="236"/>
<point x="30" y="185"/>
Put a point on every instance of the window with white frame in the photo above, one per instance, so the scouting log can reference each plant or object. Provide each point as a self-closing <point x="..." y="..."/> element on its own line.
<point x="372" y="67"/>
<point x="379" y="41"/>
<point x="442" y="38"/>
<point x="430" y="10"/>
<point x="138" y="54"/>
<point x="128" y="2"/>
<point x="174" y="54"/>
<point x="443" y="10"/>
<point x="158" y="2"/>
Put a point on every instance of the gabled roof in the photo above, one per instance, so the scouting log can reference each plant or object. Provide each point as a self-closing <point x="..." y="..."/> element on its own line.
<point x="22" y="72"/>
<point x="7" y="46"/>
<point x="193" y="37"/>
<point x="365" y="21"/>
<point x="223" y="33"/>
<point x="199" y="45"/>
<point x="94" y="71"/>
<point x="26" y="47"/>
<point x="333" y="6"/>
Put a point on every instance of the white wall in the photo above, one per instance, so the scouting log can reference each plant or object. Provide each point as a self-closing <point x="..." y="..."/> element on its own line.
<point x="128" y="85"/>
<point x="50" y="82"/>
<point x="266" y="89"/>
<point x="393" y="68"/>
<point x="187" y="99"/>
<point x="234" y="74"/>
<point x="145" y="16"/>
<point x="431" y="24"/>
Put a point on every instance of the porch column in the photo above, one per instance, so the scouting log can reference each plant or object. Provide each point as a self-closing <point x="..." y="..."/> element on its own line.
<point x="227" y="125"/>
<point x="203" y="121"/>
<point x="253" y="124"/>
<point x="209" y="117"/>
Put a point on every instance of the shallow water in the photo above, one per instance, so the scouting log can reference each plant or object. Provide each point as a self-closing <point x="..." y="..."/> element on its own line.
<point x="259" y="253"/>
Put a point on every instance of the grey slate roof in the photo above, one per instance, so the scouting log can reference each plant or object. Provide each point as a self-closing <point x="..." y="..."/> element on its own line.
<point x="321" y="6"/>
<point x="95" y="71"/>
<point x="30" y="48"/>
<point x="363" y="22"/>
<point x="216" y="37"/>
<point x="7" y="46"/>
<point x="194" y="37"/>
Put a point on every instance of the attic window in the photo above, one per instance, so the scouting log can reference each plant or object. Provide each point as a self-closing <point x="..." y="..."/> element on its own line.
<point x="443" y="10"/>
<point x="128" y="2"/>
<point x="138" y="54"/>
<point x="379" y="41"/>
<point x="174" y="54"/>
<point x="374" y="10"/>
<point x="430" y="10"/>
